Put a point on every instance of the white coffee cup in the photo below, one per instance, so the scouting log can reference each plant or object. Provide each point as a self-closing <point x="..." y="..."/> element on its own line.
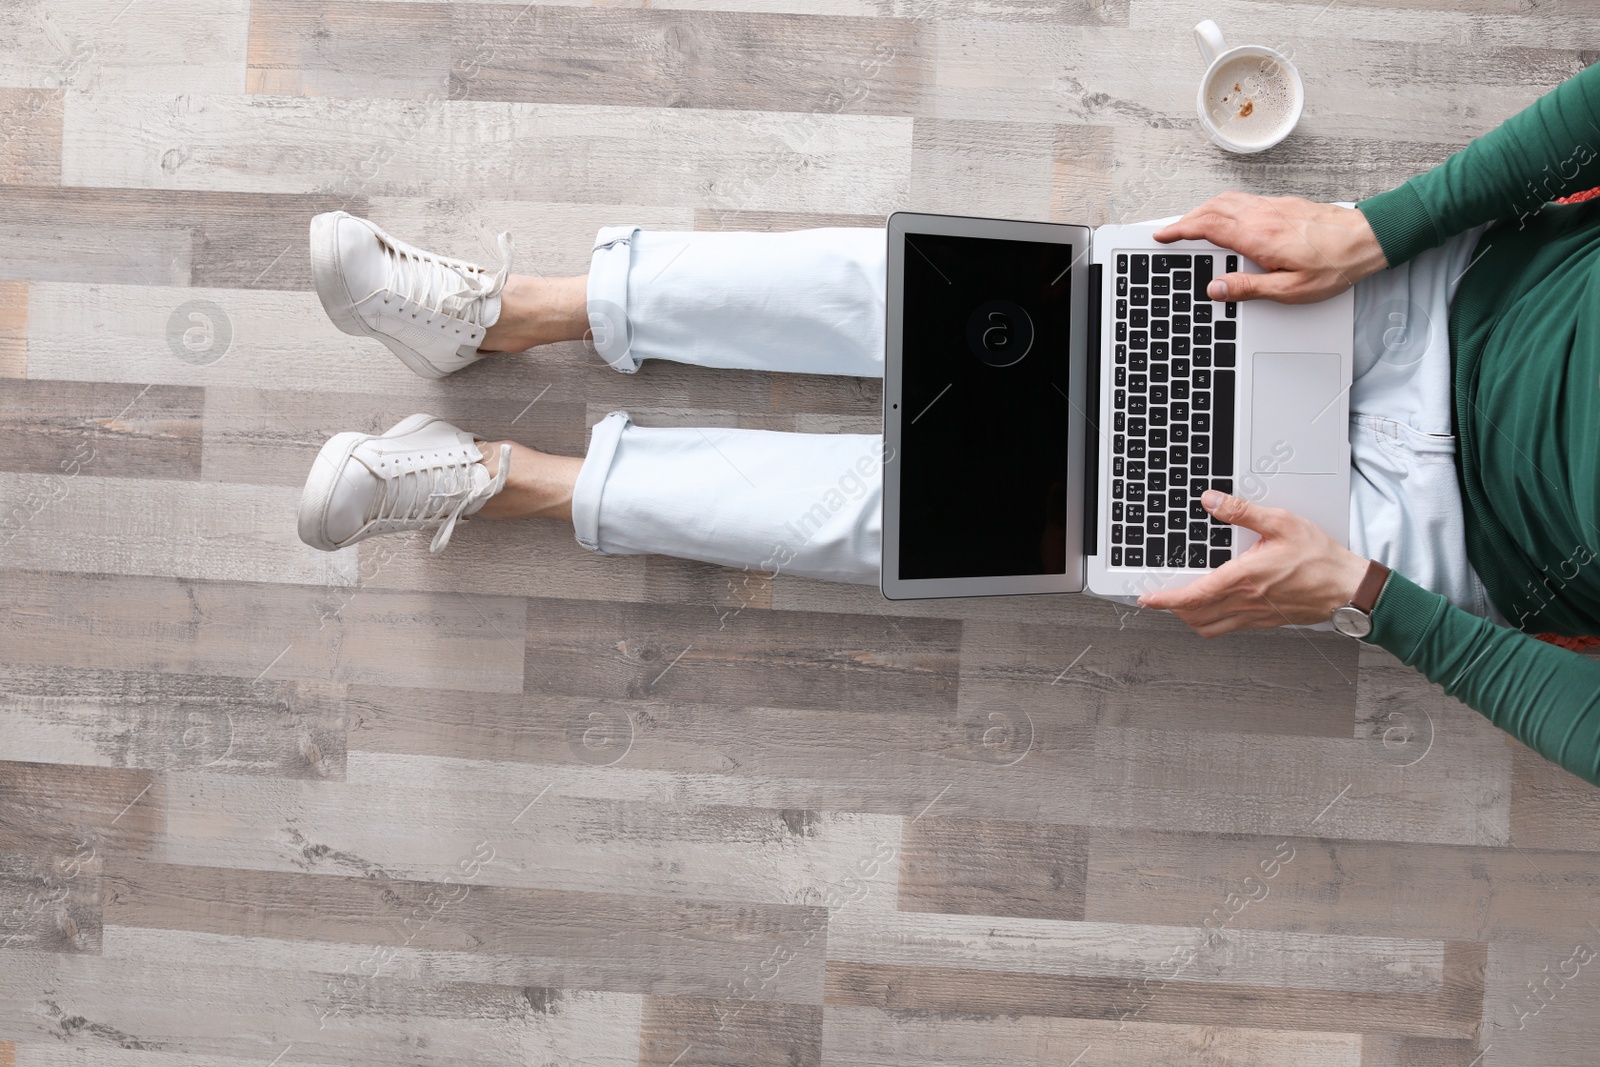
<point x="1251" y="95"/>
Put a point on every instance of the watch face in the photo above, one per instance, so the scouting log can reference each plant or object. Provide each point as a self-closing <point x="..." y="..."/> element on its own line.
<point x="1352" y="622"/>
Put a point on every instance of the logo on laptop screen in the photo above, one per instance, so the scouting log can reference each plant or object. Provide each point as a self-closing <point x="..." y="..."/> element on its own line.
<point x="1000" y="333"/>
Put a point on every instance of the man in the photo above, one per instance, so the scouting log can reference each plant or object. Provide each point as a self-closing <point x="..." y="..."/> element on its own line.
<point x="1476" y="454"/>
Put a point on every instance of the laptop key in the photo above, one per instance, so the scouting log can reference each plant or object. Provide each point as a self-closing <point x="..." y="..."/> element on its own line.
<point x="1119" y="441"/>
<point x="1171" y="260"/>
<point x="1122" y="309"/>
<point x="1136" y="426"/>
<point x="1157" y="459"/>
<point x="1197" y="510"/>
<point x="1201" y="400"/>
<point x="1138" y="318"/>
<point x="1222" y="419"/>
<point x="1138" y="360"/>
<point x="1180" y="389"/>
<point x="1161" y="308"/>
<point x="1136" y="491"/>
<point x="1137" y="340"/>
<point x="1139" y="296"/>
<point x="1233" y="265"/>
<point x="1202" y="276"/>
<point x="1220" y="557"/>
<point x="1156" y="481"/>
<point x="1155" y="548"/>
<point x="1178" y="455"/>
<point x="1179" y="432"/>
<point x="1180" y="345"/>
<point x="1178" y="475"/>
<point x="1135" y="515"/>
<point x="1117" y="464"/>
<point x="1201" y="357"/>
<point x="1135" y="448"/>
<point x="1221" y="536"/>
<point x="1231" y="310"/>
<point x="1200" y="466"/>
<point x="1225" y="353"/>
<point x="1158" y="350"/>
<point x="1222" y="485"/>
<point x="1158" y="415"/>
<point x="1158" y="394"/>
<point x="1197" y="533"/>
<point x="1161" y="285"/>
<point x="1136" y="470"/>
<point x="1176" y="498"/>
<point x="1122" y="285"/>
<point x="1201" y="335"/>
<point x="1180" y="367"/>
<point x="1116" y="488"/>
<point x="1122" y="377"/>
<point x="1155" y="523"/>
<point x="1226" y="331"/>
<point x="1177" y="521"/>
<point x="1138" y="382"/>
<point x="1116" y="511"/>
<point x="1122" y="331"/>
<point x="1181" y="303"/>
<point x="1180" y="324"/>
<point x="1136" y="404"/>
<point x="1122" y="262"/>
<point x="1133" y="557"/>
<point x="1116" y="533"/>
<point x="1122" y="353"/>
<point x="1159" y="330"/>
<point x="1200" y="422"/>
<point x="1158" y="372"/>
<point x="1176" y="550"/>
<point x="1202" y="379"/>
<point x="1182" y="280"/>
<point x="1116" y="555"/>
<point x="1200" y="444"/>
<point x="1141" y="268"/>
<point x="1202" y="313"/>
<point x="1158" y="437"/>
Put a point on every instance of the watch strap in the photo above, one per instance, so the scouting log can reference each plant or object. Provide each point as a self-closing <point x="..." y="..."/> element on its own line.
<point x="1371" y="588"/>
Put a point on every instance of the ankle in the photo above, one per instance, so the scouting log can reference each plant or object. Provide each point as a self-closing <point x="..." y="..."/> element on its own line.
<point x="539" y="311"/>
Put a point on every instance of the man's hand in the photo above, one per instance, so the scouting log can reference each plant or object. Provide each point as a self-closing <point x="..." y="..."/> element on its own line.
<point x="1295" y="574"/>
<point x="1311" y="251"/>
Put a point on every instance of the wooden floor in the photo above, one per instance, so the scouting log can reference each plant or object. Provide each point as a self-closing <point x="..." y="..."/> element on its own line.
<point x="520" y="804"/>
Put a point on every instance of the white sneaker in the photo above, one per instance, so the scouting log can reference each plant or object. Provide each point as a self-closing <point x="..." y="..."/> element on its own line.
<point x="422" y="472"/>
<point x="430" y="310"/>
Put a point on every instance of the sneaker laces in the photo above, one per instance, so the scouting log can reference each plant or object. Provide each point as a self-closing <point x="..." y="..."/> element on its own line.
<point x="440" y="494"/>
<point x="450" y="287"/>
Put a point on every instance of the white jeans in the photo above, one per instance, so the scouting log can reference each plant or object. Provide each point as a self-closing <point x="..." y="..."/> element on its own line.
<point x="812" y="302"/>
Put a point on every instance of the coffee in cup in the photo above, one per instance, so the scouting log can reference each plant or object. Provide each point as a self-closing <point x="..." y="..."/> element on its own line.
<point x="1251" y="96"/>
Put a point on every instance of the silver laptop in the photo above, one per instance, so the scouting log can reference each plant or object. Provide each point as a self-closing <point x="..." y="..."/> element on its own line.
<point x="1057" y="397"/>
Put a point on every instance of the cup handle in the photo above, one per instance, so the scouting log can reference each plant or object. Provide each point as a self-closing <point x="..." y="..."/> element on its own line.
<point x="1208" y="38"/>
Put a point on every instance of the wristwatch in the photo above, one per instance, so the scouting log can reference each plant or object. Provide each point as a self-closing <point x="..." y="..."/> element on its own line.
<point x="1355" y="618"/>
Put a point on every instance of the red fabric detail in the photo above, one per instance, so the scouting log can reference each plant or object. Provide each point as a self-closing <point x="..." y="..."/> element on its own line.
<point x="1576" y="644"/>
<point x="1578" y="198"/>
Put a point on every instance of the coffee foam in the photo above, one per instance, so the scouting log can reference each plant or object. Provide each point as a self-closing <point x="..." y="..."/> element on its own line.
<point x="1250" y="99"/>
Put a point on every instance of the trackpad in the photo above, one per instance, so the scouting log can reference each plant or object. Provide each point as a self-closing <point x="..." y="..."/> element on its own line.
<point x="1297" y="420"/>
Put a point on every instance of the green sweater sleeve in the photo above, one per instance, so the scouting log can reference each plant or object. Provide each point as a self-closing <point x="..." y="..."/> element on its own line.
<point x="1545" y="696"/>
<point x="1549" y="150"/>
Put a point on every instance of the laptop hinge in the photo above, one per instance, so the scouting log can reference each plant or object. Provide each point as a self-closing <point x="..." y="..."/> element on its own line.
<point x="1091" y="437"/>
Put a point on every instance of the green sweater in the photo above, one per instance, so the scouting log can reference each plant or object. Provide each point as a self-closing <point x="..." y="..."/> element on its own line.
<point x="1525" y="340"/>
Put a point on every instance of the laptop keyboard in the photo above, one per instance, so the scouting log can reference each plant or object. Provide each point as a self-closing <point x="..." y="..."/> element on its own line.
<point x="1172" y="403"/>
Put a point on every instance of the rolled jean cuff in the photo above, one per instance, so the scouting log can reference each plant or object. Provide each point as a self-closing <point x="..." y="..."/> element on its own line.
<point x="610" y="325"/>
<point x="591" y="483"/>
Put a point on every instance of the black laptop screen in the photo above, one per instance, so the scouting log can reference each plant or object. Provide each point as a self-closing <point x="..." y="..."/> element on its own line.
<point x="984" y="407"/>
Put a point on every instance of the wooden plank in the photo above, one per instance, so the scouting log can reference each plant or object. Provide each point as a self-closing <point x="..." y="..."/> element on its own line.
<point x="165" y="237"/>
<point x="152" y="721"/>
<point x="1450" y="1014"/>
<point x="1461" y="794"/>
<point x="245" y="630"/>
<point x="989" y="867"/>
<point x="328" y="48"/>
<point x="13" y="329"/>
<point x="1371" y="888"/>
<point x="679" y="654"/>
<point x="1280" y="683"/>
<point x="588" y="940"/>
<point x="30" y="136"/>
<point x="862" y="1036"/>
<point x="1000" y="169"/>
<point x="540" y="837"/>
<point x="984" y="944"/>
<point x="695" y="158"/>
<point x="150" y="1011"/>
<point x="1550" y="807"/>
<point x="692" y="1032"/>
<point x="778" y="221"/>
<point x="164" y="44"/>
<point x="681" y="59"/>
<point x="65" y="427"/>
<point x="186" y="529"/>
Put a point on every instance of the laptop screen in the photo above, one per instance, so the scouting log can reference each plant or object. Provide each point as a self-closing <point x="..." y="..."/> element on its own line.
<point x="983" y="460"/>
